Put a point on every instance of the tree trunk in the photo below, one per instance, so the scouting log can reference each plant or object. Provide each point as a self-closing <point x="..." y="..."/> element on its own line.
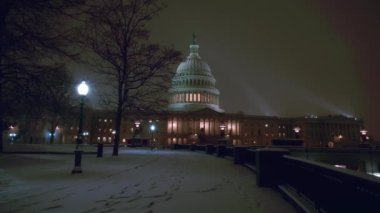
<point x="117" y="130"/>
<point x="119" y="113"/>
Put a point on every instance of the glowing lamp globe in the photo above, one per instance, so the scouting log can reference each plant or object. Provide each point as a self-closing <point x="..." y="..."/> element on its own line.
<point x="82" y="88"/>
<point x="296" y="129"/>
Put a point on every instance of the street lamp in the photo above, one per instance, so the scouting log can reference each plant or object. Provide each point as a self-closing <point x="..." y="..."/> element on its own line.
<point x="82" y="90"/>
<point x="222" y="141"/>
<point x="222" y="130"/>
<point x="152" y="129"/>
<point x="137" y="126"/>
<point x="297" y="131"/>
<point x="364" y="132"/>
<point x="12" y="135"/>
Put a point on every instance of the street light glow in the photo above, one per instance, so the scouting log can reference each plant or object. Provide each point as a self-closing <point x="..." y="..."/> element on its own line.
<point x="152" y="127"/>
<point x="82" y="88"/>
<point x="363" y="132"/>
<point x="297" y="129"/>
<point x="137" y="124"/>
<point x="222" y="127"/>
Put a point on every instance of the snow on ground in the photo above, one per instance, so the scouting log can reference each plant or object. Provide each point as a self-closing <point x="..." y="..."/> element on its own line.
<point x="138" y="180"/>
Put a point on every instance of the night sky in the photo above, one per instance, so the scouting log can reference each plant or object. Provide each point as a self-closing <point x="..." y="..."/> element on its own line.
<point x="284" y="58"/>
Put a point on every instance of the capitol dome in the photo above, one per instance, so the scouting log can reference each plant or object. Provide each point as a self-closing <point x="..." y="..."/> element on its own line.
<point x="193" y="86"/>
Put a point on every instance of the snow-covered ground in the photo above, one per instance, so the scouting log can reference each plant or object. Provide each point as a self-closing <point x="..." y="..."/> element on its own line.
<point x="138" y="180"/>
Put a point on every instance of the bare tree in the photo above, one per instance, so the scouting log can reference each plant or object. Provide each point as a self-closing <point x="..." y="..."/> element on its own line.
<point x="115" y="33"/>
<point x="31" y="33"/>
<point x="58" y="101"/>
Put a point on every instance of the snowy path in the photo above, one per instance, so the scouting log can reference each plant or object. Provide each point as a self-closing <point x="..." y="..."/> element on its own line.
<point x="138" y="180"/>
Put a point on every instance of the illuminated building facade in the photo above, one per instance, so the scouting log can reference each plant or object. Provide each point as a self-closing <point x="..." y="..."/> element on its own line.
<point x="194" y="116"/>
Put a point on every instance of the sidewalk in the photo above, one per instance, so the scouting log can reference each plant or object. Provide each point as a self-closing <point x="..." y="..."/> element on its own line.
<point x="138" y="180"/>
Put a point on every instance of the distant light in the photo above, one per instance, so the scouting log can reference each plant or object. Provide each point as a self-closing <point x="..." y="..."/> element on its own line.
<point x="222" y="127"/>
<point x="12" y="134"/>
<point x="266" y="125"/>
<point x="152" y="127"/>
<point x="113" y="132"/>
<point x="85" y="133"/>
<point x="82" y="88"/>
<point x="363" y="132"/>
<point x="137" y="124"/>
<point x="297" y="129"/>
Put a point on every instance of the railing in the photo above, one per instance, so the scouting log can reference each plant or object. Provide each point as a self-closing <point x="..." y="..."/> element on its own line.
<point x="331" y="189"/>
<point x="230" y="151"/>
<point x="326" y="188"/>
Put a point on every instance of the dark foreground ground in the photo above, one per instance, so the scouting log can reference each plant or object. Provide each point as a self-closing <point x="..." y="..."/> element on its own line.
<point x="138" y="180"/>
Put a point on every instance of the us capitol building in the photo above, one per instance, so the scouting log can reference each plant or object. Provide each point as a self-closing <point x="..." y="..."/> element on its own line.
<point x="194" y="116"/>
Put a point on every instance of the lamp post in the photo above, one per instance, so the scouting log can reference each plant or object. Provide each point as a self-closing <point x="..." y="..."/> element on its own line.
<point x="137" y="126"/>
<point x="136" y="141"/>
<point x="222" y="130"/>
<point x="363" y="133"/>
<point x="82" y="90"/>
<point x="12" y="135"/>
<point x="297" y="131"/>
<point x="152" y="129"/>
